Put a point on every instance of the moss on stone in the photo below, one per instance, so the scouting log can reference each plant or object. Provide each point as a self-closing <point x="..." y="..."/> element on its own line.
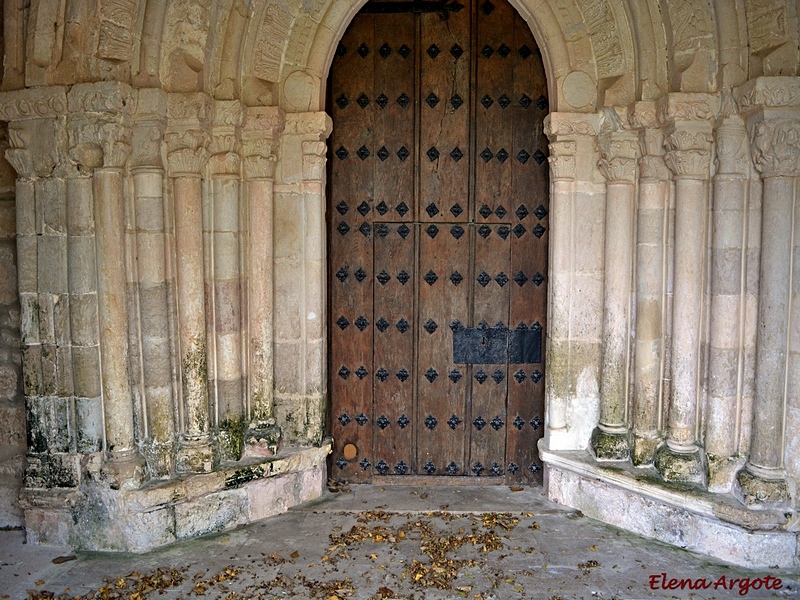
<point x="231" y="438"/>
<point x="242" y="476"/>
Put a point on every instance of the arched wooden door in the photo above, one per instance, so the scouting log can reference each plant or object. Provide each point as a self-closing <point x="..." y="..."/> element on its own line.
<point x="438" y="235"/>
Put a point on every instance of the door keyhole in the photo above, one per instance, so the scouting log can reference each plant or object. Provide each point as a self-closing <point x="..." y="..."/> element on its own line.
<point x="483" y="343"/>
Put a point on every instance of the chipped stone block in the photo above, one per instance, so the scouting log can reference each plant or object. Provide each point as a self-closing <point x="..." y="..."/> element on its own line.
<point x="214" y="512"/>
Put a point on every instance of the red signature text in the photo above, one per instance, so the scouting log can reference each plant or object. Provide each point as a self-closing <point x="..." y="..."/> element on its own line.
<point x="742" y="585"/>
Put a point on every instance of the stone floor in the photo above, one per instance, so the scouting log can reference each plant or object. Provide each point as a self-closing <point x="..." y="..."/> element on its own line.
<point x="393" y="542"/>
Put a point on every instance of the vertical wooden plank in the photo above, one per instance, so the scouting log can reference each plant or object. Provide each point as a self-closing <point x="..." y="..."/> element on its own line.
<point x="444" y="100"/>
<point x="350" y="235"/>
<point x="395" y="376"/>
<point x="529" y="243"/>
<point x="493" y="125"/>
<point x="491" y="289"/>
<point x="443" y="285"/>
<point x="394" y="91"/>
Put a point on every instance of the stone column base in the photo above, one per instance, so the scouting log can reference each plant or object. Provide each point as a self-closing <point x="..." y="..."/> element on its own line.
<point x="681" y="467"/>
<point x="759" y="492"/>
<point x="95" y="517"/>
<point x="610" y="446"/>
<point x="644" y="449"/>
<point x="262" y="439"/>
<point x="195" y="457"/>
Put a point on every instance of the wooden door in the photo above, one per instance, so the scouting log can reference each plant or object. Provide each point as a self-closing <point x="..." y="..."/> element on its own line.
<point x="438" y="233"/>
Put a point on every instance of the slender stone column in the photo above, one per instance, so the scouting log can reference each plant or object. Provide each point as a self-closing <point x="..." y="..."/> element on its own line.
<point x="102" y="132"/>
<point x="186" y="137"/>
<point x="154" y="283"/>
<point x="610" y="439"/>
<point x="772" y="106"/>
<point x="651" y="269"/>
<point x="300" y="279"/>
<point x="728" y="310"/>
<point x="225" y="170"/>
<point x="575" y="304"/>
<point x="689" y="157"/>
<point x="262" y="127"/>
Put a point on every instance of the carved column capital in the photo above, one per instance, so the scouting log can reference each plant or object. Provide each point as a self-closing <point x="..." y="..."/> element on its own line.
<point x="314" y="160"/>
<point x="689" y="152"/>
<point x="307" y="133"/>
<point x="618" y="154"/>
<point x="226" y="137"/>
<point x="187" y="135"/>
<point x="262" y="128"/>
<point x="562" y="160"/>
<point x="644" y="116"/>
<point x="149" y="124"/>
<point x="733" y="156"/>
<point x="776" y="146"/>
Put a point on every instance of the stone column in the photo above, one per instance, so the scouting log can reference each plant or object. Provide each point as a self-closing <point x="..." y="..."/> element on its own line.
<point x="772" y="106"/>
<point x="728" y="308"/>
<point x="688" y="143"/>
<point x="575" y="305"/>
<point x="155" y="283"/>
<point x="38" y="152"/>
<point x="651" y="271"/>
<point x="102" y="132"/>
<point x="186" y="137"/>
<point x="262" y="127"/>
<point x="618" y="150"/>
<point x="225" y="170"/>
<point x="300" y="279"/>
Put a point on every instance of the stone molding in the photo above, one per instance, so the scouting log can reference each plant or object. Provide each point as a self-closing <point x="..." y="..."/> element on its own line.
<point x="261" y="131"/>
<point x="681" y="106"/>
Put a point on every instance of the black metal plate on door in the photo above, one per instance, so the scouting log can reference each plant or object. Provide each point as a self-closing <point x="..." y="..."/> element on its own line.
<point x="496" y="346"/>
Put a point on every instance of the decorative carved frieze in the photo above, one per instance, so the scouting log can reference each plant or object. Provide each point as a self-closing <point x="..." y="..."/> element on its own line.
<point x="570" y="124"/>
<point x="562" y="160"/>
<point x="601" y="24"/>
<point x="269" y="46"/>
<point x="316" y="124"/>
<point x="688" y="107"/>
<point x="33" y="103"/>
<point x="776" y="147"/>
<point x="643" y="115"/>
<point x="773" y="92"/>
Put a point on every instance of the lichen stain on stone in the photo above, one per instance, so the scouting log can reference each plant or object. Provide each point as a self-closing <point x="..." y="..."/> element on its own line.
<point x="242" y="476"/>
<point x="231" y="438"/>
<point x="194" y="372"/>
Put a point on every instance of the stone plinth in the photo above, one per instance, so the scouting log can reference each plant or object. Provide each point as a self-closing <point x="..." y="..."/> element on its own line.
<point x="95" y="518"/>
<point x="680" y="515"/>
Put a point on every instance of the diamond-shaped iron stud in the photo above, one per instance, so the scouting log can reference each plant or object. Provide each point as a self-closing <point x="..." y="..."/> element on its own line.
<point x="403" y="277"/>
<point x="456" y="277"/>
<point x="487" y="101"/>
<point x="403" y="153"/>
<point x="432" y="153"/>
<point x="344" y="372"/>
<point x="513" y="468"/>
<point x="484" y="231"/>
<point x="382" y="100"/>
<point x="365" y="464"/>
<point x="342" y="322"/>
<point x="362" y="100"/>
<point x="525" y="52"/>
<point x="341" y="463"/>
<point x="536" y="422"/>
<point x="483" y="279"/>
<point x="403" y="231"/>
<point x="518" y="422"/>
<point x="431" y="422"/>
<point x="402" y="325"/>
<point x="485" y="211"/>
<point x="523" y="156"/>
<point x="502" y="155"/>
<point x="360" y="275"/>
<point x="501" y="279"/>
<point x="363" y="50"/>
<point x="432" y="100"/>
<point x="452" y="468"/>
<point x="503" y="50"/>
<point x="344" y="419"/>
<point x="537" y="279"/>
<point x="504" y="101"/>
<point x="480" y="377"/>
<point x="454" y="375"/>
<point x="456" y="210"/>
<point x="382" y="467"/>
<point x="383" y="153"/>
<point x="525" y="101"/>
<point x="431" y="375"/>
<point x="342" y="101"/>
<point x="520" y="279"/>
<point x="404" y="51"/>
<point x="402" y="209"/>
<point x="520" y="376"/>
<point x="342" y="153"/>
<point x="363" y="153"/>
<point x="361" y="372"/>
<point x="487" y="51"/>
<point x="456" y="101"/>
<point x="486" y="155"/>
<point x="385" y="51"/>
<point x="538" y="231"/>
<point x="519" y="230"/>
<point x="456" y="51"/>
<point x="429" y="468"/>
<point x="365" y="229"/>
<point x="402" y="375"/>
<point x="382" y="374"/>
<point x="478" y="468"/>
<point x="498" y="376"/>
<point x="457" y="231"/>
<point x="432" y="231"/>
<point x="342" y="274"/>
<point x="431" y="277"/>
<point x="433" y="51"/>
<point x="496" y="423"/>
<point x="503" y="231"/>
<point x="430" y="326"/>
<point x="453" y="422"/>
<point x="403" y="100"/>
<point x="539" y="157"/>
<point x="382" y="324"/>
<point x="456" y="154"/>
<point x="383" y="422"/>
<point x="403" y="421"/>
